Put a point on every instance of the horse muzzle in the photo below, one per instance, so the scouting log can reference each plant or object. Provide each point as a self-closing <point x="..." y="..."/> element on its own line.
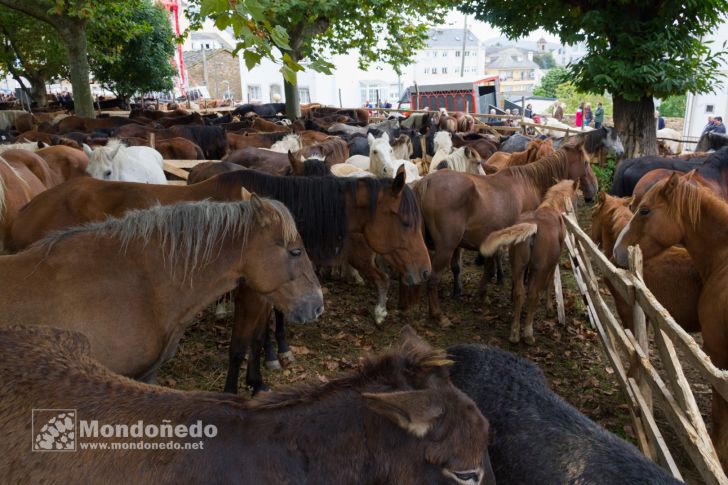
<point x="310" y="308"/>
<point x="417" y="277"/>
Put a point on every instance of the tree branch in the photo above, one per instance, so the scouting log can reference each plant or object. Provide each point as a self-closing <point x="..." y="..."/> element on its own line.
<point x="34" y="9"/>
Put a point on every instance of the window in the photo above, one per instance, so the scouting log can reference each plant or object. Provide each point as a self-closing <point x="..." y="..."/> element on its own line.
<point x="523" y="75"/>
<point x="427" y="70"/>
<point x="467" y="53"/>
<point x="444" y="70"/>
<point x="457" y="53"/>
<point x="444" y="53"/>
<point x="275" y="89"/>
<point x="373" y="90"/>
<point x="304" y="94"/>
<point x="709" y="108"/>
<point x="254" y="93"/>
<point x="457" y="70"/>
<point x="531" y="74"/>
<point x="434" y="70"/>
<point x="434" y="53"/>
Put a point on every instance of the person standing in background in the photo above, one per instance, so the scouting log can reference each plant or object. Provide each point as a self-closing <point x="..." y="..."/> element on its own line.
<point x="659" y="121"/>
<point x="598" y="116"/>
<point x="528" y="112"/>
<point x="558" y="111"/>
<point x="588" y="115"/>
<point x="579" y="115"/>
<point x="718" y="126"/>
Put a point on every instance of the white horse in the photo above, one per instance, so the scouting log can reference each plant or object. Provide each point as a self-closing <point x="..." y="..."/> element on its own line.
<point x="116" y="161"/>
<point x="443" y="148"/>
<point x="466" y="160"/>
<point x="288" y="143"/>
<point x="552" y="122"/>
<point x="349" y="170"/>
<point x="675" y="147"/>
<point x="8" y="117"/>
<point x="31" y="146"/>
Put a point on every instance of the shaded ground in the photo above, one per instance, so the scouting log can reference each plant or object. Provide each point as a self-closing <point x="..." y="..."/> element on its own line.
<point x="571" y="356"/>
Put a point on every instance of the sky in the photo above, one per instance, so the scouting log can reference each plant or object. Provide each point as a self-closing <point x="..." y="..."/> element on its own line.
<point x="485" y="31"/>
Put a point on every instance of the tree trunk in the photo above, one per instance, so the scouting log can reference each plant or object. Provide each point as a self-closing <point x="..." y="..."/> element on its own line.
<point x="293" y="99"/>
<point x="635" y="122"/>
<point x="38" y="90"/>
<point x="75" y="40"/>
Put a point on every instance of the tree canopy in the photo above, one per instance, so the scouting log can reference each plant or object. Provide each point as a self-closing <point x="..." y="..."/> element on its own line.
<point x="295" y="31"/>
<point x="636" y="49"/>
<point x="545" y="60"/>
<point x="29" y="49"/>
<point x="550" y="81"/>
<point x="674" y="106"/>
<point x="137" y="62"/>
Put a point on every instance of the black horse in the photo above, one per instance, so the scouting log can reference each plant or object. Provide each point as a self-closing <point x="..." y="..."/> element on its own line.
<point x="711" y="141"/>
<point x="267" y="110"/>
<point x="630" y="171"/>
<point x="537" y="437"/>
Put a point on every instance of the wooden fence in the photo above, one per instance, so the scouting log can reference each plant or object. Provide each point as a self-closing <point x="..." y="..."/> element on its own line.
<point x="629" y="355"/>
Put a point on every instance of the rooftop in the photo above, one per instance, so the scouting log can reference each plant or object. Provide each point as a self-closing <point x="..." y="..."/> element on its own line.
<point x="198" y="35"/>
<point x="508" y="58"/>
<point x="450" y="38"/>
<point x="195" y="57"/>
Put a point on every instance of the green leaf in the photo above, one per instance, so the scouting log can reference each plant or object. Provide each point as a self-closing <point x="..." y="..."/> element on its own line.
<point x="289" y="75"/>
<point x="251" y="59"/>
<point x="208" y="7"/>
<point x="280" y="37"/>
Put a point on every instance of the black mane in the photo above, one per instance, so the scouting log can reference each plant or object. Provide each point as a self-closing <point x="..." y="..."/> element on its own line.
<point x="318" y="204"/>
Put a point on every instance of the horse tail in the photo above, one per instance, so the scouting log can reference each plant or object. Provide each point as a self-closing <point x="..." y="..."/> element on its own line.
<point x="507" y="237"/>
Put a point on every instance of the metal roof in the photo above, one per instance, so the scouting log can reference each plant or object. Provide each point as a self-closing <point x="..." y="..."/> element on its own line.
<point x="441" y="38"/>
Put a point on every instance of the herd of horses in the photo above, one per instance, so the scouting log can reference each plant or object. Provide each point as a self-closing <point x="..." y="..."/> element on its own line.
<point x="107" y="264"/>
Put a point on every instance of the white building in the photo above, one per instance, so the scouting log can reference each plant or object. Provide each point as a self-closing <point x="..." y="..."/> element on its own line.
<point x="443" y="57"/>
<point x="700" y="106"/>
<point x="562" y="54"/>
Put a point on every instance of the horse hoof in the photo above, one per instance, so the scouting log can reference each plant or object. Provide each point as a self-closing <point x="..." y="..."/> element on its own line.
<point x="444" y="322"/>
<point x="273" y="365"/>
<point x="259" y="389"/>
<point x="514" y="338"/>
<point x="379" y="316"/>
<point x="286" y="358"/>
<point x="529" y="340"/>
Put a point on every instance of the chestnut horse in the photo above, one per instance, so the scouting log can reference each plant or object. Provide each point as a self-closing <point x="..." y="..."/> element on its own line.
<point x="132" y="285"/>
<point x="395" y="419"/>
<point x="461" y="210"/>
<point x="671" y="275"/>
<point x="18" y="185"/>
<point x="535" y="243"/>
<point x="676" y="212"/>
<point x="535" y="150"/>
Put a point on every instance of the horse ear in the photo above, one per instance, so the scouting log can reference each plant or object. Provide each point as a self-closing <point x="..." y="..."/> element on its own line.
<point x="413" y="411"/>
<point x="113" y="154"/>
<point x="576" y="184"/>
<point x="245" y="194"/>
<point x="295" y="163"/>
<point x="87" y="150"/>
<point x="399" y="180"/>
<point x="669" y="187"/>
<point x="690" y="175"/>
<point x="259" y="211"/>
<point x="601" y="197"/>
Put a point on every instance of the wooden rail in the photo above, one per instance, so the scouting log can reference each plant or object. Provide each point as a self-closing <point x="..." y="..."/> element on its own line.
<point x="629" y="354"/>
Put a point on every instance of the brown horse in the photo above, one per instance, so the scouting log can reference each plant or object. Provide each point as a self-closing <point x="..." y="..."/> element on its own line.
<point x="535" y="243"/>
<point x="396" y="419"/>
<point x="255" y="140"/>
<point x="132" y="285"/>
<point x="649" y="179"/>
<point x="35" y="164"/>
<point x="18" y="185"/>
<point x="64" y="162"/>
<point x="535" y="150"/>
<point x="671" y="275"/>
<point x="676" y="212"/>
<point x="461" y="210"/>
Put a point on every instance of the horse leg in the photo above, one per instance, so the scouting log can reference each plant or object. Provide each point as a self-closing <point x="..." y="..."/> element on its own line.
<point x="361" y="257"/>
<point x="537" y="281"/>
<point x="253" y="375"/>
<point x="456" y="263"/>
<point x="499" y="256"/>
<point x="250" y="312"/>
<point x="439" y="262"/>
<point x="519" y="292"/>
<point x="715" y="346"/>
<point x="285" y="356"/>
<point x="271" y="359"/>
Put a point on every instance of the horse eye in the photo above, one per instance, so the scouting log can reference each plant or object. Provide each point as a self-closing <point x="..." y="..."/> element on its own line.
<point x="644" y="211"/>
<point x="295" y="252"/>
<point x="467" y="476"/>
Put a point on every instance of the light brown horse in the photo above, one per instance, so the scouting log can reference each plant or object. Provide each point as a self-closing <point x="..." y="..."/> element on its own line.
<point x="671" y="275"/>
<point x="461" y="210"/>
<point x="132" y="285"/>
<point x="676" y="212"/>
<point x="535" y="243"/>
<point x="396" y="419"/>
<point x="18" y="185"/>
<point x="64" y="162"/>
<point x="535" y="150"/>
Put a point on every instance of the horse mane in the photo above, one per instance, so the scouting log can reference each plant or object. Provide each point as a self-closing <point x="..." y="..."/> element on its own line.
<point x="31" y="146"/>
<point x="557" y="194"/>
<point x="542" y="173"/>
<point x="318" y="204"/>
<point x="685" y="201"/>
<point x="411" y="359"/>
<point x="189" y="233"/>
<point x="313" y="167"/>
<point x="593" y="139"/>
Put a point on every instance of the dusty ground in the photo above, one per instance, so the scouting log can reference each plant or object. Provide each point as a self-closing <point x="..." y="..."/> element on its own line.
<point x="570" y="356"/>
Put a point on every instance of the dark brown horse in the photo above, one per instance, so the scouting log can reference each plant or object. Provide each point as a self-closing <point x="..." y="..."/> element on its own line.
<point x="396" y="419"/>
<point x="461" y="210"/>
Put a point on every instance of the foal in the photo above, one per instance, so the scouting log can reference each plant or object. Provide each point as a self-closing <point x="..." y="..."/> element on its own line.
<point x="535" y="243"/>
<point x="396" y="419"/>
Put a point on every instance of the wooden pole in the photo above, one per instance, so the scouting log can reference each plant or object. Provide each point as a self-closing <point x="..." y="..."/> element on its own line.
<point x="152" y="139"/>
<point x="417" y="96"/>
<point x="559" y="297"/>
<point x="340" y="104"/>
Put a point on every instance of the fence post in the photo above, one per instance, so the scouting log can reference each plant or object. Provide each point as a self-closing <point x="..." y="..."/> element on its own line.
<point x="639" y="328"/>
<point x="152" y="139"/>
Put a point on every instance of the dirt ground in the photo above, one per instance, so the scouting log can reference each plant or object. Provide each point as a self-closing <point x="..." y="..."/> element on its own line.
<point x="570" y="355"/>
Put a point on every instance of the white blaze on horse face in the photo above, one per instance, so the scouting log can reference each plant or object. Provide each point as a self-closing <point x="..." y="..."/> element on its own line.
<point x="620" y="254"/>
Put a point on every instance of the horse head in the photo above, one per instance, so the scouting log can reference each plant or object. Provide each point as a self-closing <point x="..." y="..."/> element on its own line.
<point x="101" y="160"/>
<point x="611" y="141"/>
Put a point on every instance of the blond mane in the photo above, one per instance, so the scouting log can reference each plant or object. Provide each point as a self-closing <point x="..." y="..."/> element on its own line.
<point x="557" y="195"/>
